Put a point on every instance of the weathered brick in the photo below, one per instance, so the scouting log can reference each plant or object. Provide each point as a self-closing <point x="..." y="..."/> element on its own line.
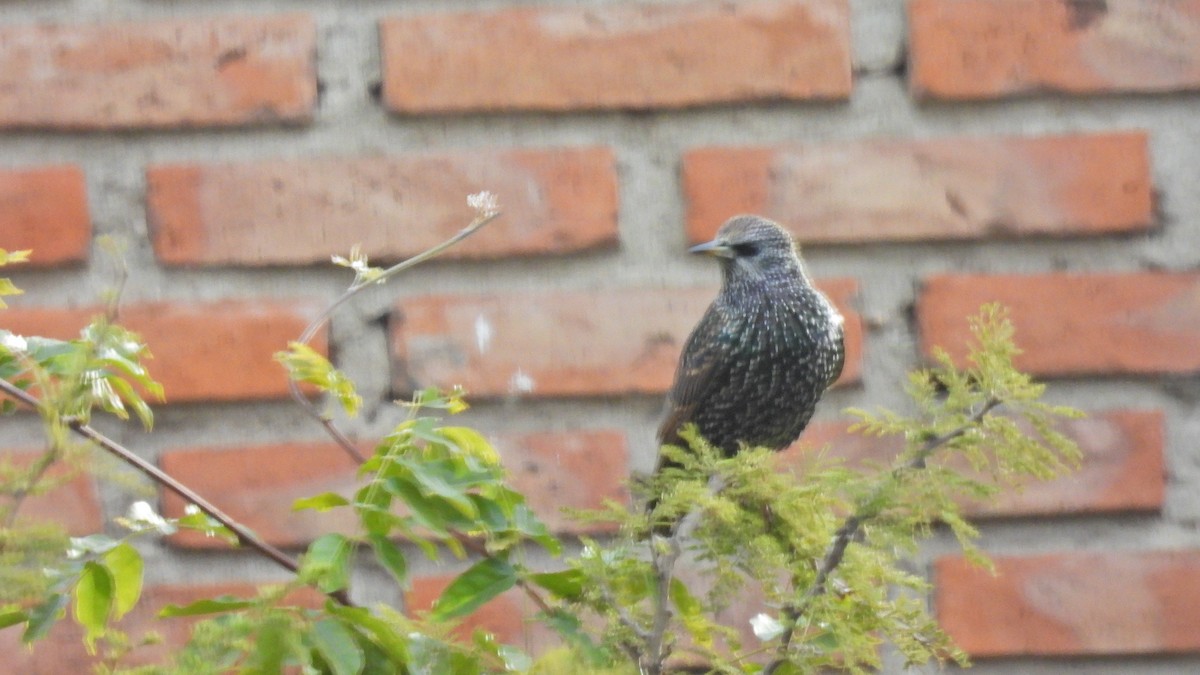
<point x="194" y="72"/>
<point x="1069" y="604"/>
<point x="301" y="211"/>
<point x="75" y="504"/>
<point x="631" y="56"/>
<point x="1075" y="324"/>
<point x="575" y="470"/>
<point x="63" y="651"/>
<point x="582" y="343"/>
<point x="1122" y="469"/>
<point x="257" y="485"/>
<point x="45" y="209"/>
<point x="952" y="188"/>
<point x="219" y="351"/>
<point x="976" y="49"/>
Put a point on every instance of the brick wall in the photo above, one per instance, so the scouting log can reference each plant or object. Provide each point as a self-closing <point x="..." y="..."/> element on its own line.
<point x="931" y="155"/>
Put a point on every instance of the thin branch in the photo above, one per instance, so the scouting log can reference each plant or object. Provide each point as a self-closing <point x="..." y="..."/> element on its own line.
<point x="624" y="616"/>
<point x="853" y="523"/>
<point x="664" y="572"/>
<point x="311" y="330"/>
<point x="244" y="535"/>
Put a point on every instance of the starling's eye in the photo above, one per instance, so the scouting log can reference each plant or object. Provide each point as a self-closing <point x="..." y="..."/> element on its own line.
<point x="745" y="250"/>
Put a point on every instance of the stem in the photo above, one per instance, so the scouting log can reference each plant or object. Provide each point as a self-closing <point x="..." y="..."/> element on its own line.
<point x="244" y="535"/>
<point x="359" y="284"/>
<point x="853" y="524"/>
<point x="664" y="571"/>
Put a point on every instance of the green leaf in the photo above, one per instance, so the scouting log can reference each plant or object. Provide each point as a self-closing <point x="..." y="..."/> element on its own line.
<point x="270" y="647"/>
<point x="472" y="443"/>
<point x="42" y="617"/>
<point x="384" y="633"/>
<point x="437" y="479"/>
<point x="305" y="364"/>
<point x="7" y="287"/>
<point x="93" y="601"/>
<point x="691" y="612"/>
<point x="566" y="584"/>
<point x="336" y="645"/>
<point x="94" y="543"/>
<point x="19" y="256"/>
<point x="125" y="564"/>
<point x="211" y="527"/>
<point x="433" y="513"/>
<point x="391" y="558"/>
<point x="483" y="581"/>
<point x="218" y="605"/>
<point x="327" y="562"/>
<point x="570" y="628"/>
<point x="514" y="659"/>
<point x="12" y="618"/>
<point x="321" y="502"/>
<point x="528" y="524"/>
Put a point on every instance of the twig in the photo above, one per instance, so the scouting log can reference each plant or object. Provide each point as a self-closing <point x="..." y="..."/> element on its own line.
<point x="853" y="523"/>
<point x="310" y="331"/>
<point x="244" y="535"/>
<point x="624" y="616"/>
<point x="664" y="572"/>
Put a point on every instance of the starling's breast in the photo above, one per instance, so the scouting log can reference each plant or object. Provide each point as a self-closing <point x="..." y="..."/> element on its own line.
<point x="783" y="351"/>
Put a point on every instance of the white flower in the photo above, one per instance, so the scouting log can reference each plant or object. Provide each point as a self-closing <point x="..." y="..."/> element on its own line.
<point x="143" y="516"/>
<point x="191" y="510"/>
<point x="13" y="342"/>
<point x="484" y="203"/>
<point x="765" y="627"/>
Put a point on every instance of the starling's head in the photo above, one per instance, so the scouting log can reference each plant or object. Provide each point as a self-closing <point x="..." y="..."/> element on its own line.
<point x="750" y="246"/>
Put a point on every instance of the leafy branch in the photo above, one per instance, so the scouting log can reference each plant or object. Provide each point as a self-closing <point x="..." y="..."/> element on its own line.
<point x="823" y="546"/>
<point x="853" y="524"/>
<point x="300" y="358"/>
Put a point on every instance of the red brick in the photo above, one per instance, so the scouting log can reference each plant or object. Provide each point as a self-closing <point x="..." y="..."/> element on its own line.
<point x="634" y="56"/>
<point x="570" y="343"/>
<point x="508" y="616"/>
<point x="977" y="49"/>
<point x="1075" y="324"/>
<point x="45" y="209"/>
<point x="302" y="211"/>
<point x="219" y="351"/>
<point x="75" y="504"/>
<point x="1122" y="469"/>
<point x="952" y="188"/>
<point x="1068" y="604"/>
<point x="194" y="72"/>
<point x="257" y="485"/>
<point x="63" y="651"/>
<point x="556" y="471"/>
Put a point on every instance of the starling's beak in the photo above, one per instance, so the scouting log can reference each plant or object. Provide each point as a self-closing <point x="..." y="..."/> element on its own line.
<point x="716" y="247"/>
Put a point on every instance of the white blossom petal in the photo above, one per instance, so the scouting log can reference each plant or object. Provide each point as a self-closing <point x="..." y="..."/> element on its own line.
<point x="765" y="627"/>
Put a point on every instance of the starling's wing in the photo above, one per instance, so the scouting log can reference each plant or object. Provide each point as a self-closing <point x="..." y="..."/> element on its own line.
<point x="704" y="364"/>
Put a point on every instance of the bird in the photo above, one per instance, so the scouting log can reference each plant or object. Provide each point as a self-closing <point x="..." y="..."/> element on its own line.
<point x="753" y="369"/>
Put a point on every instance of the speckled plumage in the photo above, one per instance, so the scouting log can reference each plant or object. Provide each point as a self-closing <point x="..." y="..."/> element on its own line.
<point x="755" y="366"/>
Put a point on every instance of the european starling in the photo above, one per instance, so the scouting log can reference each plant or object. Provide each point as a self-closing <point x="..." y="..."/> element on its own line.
<point x="765" y="351"/>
